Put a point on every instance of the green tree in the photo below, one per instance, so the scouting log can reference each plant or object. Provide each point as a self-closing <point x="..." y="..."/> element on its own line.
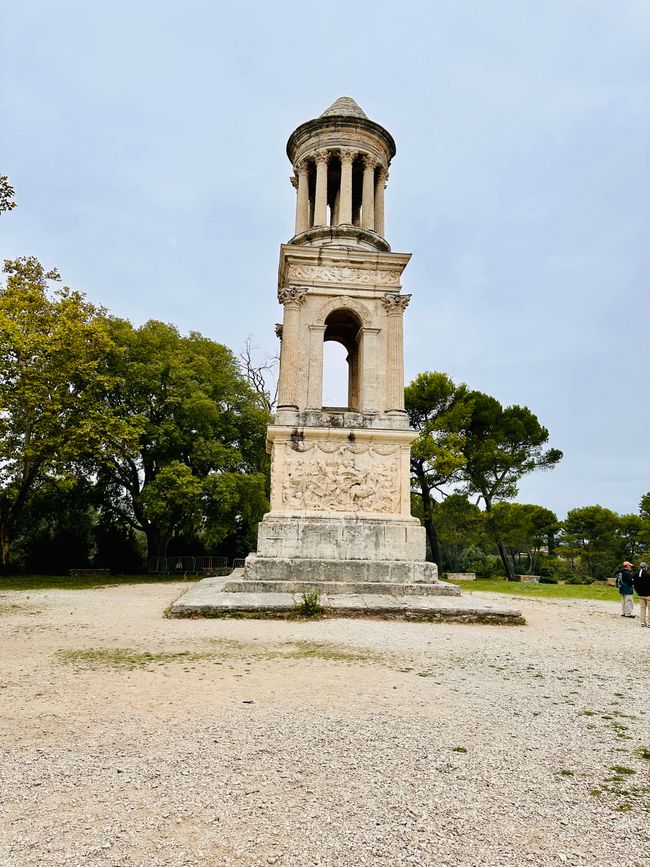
<point x="200" y="464"/>
<point x="438" y="410"/>
<point x="590" y="538"/>
<point x="523" y="528"/>
<point x="634" y="537"/>
<point x="460" y="526"/>
<point x="54" y="415"/>
<point x="7" y="202"/>
<point x="500" y="447"/>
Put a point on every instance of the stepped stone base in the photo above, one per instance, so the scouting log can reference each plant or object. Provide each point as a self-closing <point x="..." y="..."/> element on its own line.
<point x="209" y="598"/>
<point x="292" y="569"/>
<point x="330" y="588"/>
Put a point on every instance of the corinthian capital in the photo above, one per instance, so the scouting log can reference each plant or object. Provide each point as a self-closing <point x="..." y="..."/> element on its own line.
<point x="322" y="156"/>
<point x="294" y="181"/>
<point x="302" y="166"/>
<point x="395" y="304"/>
<point x="369" y="162"/>
<point x="292" y="295"/>
<point x="347" y="155"/>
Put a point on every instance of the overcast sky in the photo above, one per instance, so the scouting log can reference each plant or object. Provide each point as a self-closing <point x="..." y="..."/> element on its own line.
<point x="146" y="142"/>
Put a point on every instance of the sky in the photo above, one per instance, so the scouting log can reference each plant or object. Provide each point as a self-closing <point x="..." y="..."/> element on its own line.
<point x="146" y="143"/>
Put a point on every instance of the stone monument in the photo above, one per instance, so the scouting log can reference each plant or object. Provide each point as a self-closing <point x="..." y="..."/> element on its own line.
<point x="340" y="519"/>
<point x="340" y="476"/>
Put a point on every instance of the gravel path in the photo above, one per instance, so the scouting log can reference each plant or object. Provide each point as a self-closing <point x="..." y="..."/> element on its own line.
<point x="127" y="739"/>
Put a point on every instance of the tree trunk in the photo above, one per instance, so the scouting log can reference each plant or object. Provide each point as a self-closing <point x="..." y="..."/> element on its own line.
<point x="429" y="526"/>
<point x="5" y="541"/>
<point x="507" y="565"/>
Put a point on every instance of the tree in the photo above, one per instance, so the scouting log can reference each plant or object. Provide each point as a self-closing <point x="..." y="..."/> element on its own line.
<point x="438" y="410"/>
<point x="54" y="415"/>
<point x="7" y="202"/>
<point x="523" y="529"/>
<point x="460" y="526"/>
<point x="500" y="447"/>
<point x="200" y="463"/>
<point x="590" y="538"/>
<point x="634" y="537"/>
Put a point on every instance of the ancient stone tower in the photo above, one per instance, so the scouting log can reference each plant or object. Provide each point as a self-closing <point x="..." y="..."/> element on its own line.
<point x="340" y="493"/>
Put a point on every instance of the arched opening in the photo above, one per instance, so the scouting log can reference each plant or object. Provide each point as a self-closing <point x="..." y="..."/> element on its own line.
<point x="343" y="328"/>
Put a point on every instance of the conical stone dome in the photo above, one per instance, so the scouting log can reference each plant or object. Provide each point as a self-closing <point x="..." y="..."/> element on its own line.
<point x="344" y="106"/>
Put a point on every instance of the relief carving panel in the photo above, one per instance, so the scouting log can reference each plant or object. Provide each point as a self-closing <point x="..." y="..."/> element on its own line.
<point x="342" y="477"/>
<point x="332" y="274"/>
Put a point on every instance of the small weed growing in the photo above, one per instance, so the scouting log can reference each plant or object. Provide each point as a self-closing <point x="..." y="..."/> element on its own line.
<point x="310" y="605"/>
<point x="643" y="753"/>
<point x="621" y="769"/>
<point x="459" y="749"/>
<point x="566" y="772"/>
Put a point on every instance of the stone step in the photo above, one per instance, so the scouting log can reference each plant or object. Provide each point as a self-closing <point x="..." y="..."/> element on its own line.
<point x="329" y="588"/>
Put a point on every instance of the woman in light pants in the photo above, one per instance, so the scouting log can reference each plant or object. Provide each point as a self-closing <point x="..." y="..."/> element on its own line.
<point x="626" y="589"/>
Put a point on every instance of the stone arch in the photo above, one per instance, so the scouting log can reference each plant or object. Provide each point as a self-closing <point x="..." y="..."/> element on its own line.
<point x="344" y="302"/>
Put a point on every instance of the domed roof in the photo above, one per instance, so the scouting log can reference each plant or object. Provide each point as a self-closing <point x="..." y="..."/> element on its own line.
<point x="344" y="106"/>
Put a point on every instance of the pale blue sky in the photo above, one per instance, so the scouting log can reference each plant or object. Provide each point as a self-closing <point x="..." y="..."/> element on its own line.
<point x="146" y="143"/>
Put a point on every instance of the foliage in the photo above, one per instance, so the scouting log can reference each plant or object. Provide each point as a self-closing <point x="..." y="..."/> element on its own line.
<point x="589" y="538"/>
<point x="522" y="529"/>
<point x="7" y="202"/>
<point x="200" y="463"/>
<point x="460" y="526"/>
<point x="500" y="447"/>
<point x="438" y="410"/>
<point x="53" y="388"/>
<point x="310" y="605"/>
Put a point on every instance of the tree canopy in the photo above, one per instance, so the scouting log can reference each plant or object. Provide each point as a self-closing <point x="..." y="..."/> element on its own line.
<point x="54" y="383"/>
<point x="200" y="461"/>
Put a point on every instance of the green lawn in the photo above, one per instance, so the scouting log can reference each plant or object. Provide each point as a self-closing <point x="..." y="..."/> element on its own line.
<point x="66" y="582"/>
<point x="548" y="591"/>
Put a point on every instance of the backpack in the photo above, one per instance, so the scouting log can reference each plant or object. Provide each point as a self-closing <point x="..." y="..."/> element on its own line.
<point x="619" y="580"/>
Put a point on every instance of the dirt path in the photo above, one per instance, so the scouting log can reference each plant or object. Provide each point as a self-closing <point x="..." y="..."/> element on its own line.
<point x="128" y="739"/>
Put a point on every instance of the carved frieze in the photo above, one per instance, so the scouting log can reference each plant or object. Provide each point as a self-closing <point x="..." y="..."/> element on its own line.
<point x="333" y="274"/>
<point x="341" y="477"/>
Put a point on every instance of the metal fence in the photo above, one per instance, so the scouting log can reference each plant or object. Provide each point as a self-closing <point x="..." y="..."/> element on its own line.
<point x="189" y="566"/>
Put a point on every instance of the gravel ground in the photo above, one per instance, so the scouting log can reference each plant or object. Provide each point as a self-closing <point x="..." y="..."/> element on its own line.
<point x="127" y="739"/>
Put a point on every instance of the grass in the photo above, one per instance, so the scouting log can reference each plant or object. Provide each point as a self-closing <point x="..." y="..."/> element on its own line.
<point x="546" y="591"/>
<point x="68" y="582"/>
<point x="126" y="658"/>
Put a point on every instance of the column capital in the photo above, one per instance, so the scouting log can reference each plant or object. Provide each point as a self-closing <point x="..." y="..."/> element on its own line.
<point x="292" y="295"/>
<point x="322" y="156"/>
<point x="294" y="181"/>
<point x="278" y="330"/>
<point x="395" y="305"/>
<point x="347" y="155"/>
<point x="302" y="165"/>
<point x="382" y="174"/>
<point x="369" y="161"/>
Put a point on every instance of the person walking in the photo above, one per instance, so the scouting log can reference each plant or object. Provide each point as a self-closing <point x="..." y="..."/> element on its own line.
<point x="642" y="587"/>
<point x="625" y="582"/>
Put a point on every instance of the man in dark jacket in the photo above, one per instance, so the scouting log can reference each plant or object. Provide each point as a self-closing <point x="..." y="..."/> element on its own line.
<point x="626" y="589"/>
<point x="642" y="587"/>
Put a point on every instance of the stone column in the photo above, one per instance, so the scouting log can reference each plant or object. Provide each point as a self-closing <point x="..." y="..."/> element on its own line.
<point x="368" y="202"/>
<point x="395" y="306"/>
<point x="320" y="210"/>
<point x="345" y="202"/>
<point x="302" y="203"/>
<point x="380" y="184"/>
<point x="292" y="298"/>
<point x="315" y="369"/>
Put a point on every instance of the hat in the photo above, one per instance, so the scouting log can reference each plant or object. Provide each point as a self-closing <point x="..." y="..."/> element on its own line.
<point x="644" y="565"/>
<point x="627" y="563"/>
